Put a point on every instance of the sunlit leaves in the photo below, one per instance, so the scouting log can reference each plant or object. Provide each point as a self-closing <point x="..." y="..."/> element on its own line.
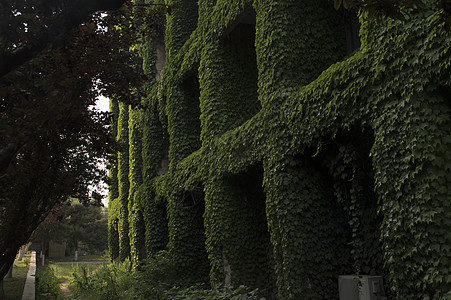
<point x="378" y="8"/>
<point x="346" y="4"/>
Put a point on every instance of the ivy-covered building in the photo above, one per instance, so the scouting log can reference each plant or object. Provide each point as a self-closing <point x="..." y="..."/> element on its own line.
<point x="285" y="143"/>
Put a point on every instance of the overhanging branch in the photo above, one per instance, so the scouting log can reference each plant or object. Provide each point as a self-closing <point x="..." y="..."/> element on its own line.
<point x="75" y="13"/>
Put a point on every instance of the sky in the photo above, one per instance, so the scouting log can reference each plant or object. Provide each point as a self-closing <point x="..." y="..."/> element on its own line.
<point x="103" y="103"/>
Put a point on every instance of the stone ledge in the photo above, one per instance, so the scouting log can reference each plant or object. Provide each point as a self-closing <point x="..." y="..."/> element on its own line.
<point x="29" y="288"/>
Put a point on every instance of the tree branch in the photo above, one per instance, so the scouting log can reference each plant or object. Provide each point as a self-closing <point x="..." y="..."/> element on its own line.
<point x="6" y="155"/>
<point x="75" y="13"/>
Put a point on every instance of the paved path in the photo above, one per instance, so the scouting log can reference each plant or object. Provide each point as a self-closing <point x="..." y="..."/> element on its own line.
<point x="64" y="287"/>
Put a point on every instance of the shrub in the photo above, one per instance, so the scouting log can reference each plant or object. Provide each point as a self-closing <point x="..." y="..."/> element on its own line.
<point x="117" y="281"/>
<point x="47" y="284"/>
<point x="155" y="279"/>
<point x="107" y="282"/>
<point x="220" y="293"/>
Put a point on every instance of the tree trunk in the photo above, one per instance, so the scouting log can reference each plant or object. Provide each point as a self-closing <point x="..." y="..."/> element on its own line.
<point x="6" y="155"/>
<point x="53" y="35"/>
<point x="7" y="260"/>
<point x="10" y="272"/>
<point x="2" y="292"/>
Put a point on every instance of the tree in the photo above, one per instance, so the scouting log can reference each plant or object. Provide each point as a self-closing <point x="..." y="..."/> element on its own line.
<point x="42" y="24"/>
<point x="50" y="228"/>
<point x="51" y="140"/>
<point x="74" y="223"/>
<point x="88" y="225"/>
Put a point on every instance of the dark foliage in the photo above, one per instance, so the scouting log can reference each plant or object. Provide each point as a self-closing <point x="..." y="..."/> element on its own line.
<point x="51" y="139"/>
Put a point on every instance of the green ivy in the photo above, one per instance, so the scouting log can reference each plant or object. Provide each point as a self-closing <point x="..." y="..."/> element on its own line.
<point x="238" y="241"/>
<point x="113" y="189"/>
<point x="135" y="210"/>
<point x="292" y="162"/>
<point x="155" y="147"/>
<point x="123" y="179"/>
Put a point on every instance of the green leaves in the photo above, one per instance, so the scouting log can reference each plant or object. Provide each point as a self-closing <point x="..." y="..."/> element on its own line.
<point x="348" y="4"/>
<point x="308" y="133"/>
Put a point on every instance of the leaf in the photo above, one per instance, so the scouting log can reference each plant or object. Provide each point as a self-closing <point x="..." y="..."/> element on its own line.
<point x="347" y="4"/>
<point x="337" y="4"/>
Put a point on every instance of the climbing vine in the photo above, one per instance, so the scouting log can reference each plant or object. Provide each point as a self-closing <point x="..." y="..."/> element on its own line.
<point x="155" y="145"/>
<point x="124" y="184"/>
<point x="113" y="189"/>
<point x="277" y="152"/>
<point x="135" y="210"/>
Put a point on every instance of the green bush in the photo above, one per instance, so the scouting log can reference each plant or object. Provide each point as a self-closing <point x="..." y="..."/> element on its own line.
<point x="107" y="282"/>
<point x="47" y="284"/>
<point x="117" y="281"/>
<point x="197" y="292"/>
<point x="157" y="279"/>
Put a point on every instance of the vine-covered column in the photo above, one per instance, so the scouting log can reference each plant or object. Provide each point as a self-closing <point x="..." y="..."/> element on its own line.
<point x="113" y="191"/>
<point x="113" y="229"/>
<point x="186" y="232"/>
<point x="238" y="242"/>
<point x="348" y="162"/>
<point x="123" y="181"/>
<point x="186" y="229"/>
<point x="306" y="229"/>
<point x="228" y="80"/>
<point x="295" y="42"/>
<point x="179" y="25"/>
<point x="135" y="210"/>
<point x="412" y="162"/>
<point x="154" y="151"/>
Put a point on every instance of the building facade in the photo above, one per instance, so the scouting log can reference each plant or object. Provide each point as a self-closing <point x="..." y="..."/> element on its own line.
<point x="286" y="143"/>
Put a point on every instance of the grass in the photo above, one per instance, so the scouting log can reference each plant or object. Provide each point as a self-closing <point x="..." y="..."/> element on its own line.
<point x="156" y="280"/>
<point x="14" y="286"/>
<point x="50" y="276"/>
<point x="80" y="258"/>
<point x="47" y="284"/>
<point x="64" y="272"/>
